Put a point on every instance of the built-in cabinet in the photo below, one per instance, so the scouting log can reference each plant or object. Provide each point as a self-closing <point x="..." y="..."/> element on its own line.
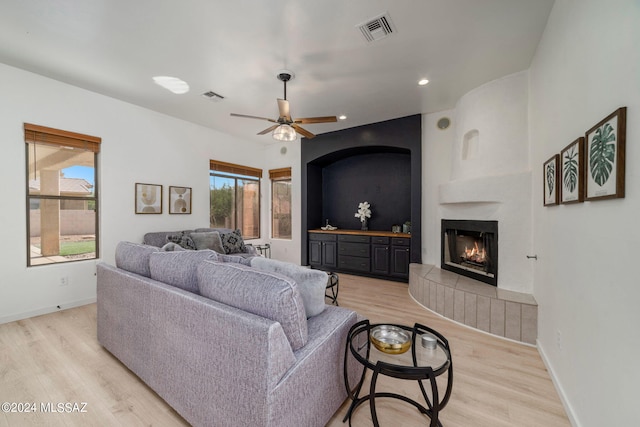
<point x="323" y="251"/>
<point x="370" y="253"/>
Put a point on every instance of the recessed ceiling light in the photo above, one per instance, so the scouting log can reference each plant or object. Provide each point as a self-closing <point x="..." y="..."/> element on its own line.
<point x="423" y="82"/>
<point x="172" y="84"/>
<point x="342" y="117"/>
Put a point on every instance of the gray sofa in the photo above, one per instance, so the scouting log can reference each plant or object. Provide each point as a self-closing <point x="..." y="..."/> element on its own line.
<point x="201" y="333"/>
<point x="160" y="238"/>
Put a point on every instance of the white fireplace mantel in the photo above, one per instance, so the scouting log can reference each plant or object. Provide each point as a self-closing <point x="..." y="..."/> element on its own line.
<point x="506" y="199"/>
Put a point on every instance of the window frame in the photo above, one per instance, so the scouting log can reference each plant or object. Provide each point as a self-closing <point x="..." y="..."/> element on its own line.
<point x="41" y="135"/>
<point x="237" y="172"/>
<point x="276" y="176"/>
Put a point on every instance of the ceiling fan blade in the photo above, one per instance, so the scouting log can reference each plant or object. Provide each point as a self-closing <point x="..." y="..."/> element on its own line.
<point x="283" y="107"/>
<point x="253" y="117"/>
<point x="302" y="131"/>
<point x="326" y="119"/>
<point x="267" y="130"/>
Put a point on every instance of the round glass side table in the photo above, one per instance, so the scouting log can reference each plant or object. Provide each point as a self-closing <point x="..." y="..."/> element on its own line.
<point x="419" y="363"/>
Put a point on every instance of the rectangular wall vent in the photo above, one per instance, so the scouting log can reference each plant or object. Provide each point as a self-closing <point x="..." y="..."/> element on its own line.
<point x="213" y="96"/>
<point x="377" y="28"/>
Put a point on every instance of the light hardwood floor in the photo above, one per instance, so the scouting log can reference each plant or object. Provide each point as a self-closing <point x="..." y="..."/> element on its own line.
<point x="56" y="358"/>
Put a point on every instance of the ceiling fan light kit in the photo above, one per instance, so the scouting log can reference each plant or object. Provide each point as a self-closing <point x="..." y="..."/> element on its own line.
<point x="284" y="132"/>
<point x="286" y="128"/>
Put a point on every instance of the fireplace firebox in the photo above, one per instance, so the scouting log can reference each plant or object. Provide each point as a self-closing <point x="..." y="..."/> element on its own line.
<point x="470" y="248"/>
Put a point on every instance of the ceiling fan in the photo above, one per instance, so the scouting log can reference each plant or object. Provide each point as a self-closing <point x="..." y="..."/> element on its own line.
<point x="285" y="127"/>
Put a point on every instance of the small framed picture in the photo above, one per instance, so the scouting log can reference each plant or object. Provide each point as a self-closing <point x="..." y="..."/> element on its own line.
<point x="572" y="172"/>
<point x="179" y="200"/>
<point x="148" y="199"/>
<point x="550" y="177"/>
<point x="605" y="151"/>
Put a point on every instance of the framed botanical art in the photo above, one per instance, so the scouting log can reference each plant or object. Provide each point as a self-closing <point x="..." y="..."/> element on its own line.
<point x="550" y="186"/>
<point x="572" y="172"/>
<point x="605" y="157"/>
<point x="148" y="199"/>
<point x="179" y="200"/>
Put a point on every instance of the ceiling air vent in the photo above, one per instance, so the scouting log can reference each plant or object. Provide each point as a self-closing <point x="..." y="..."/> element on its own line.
<point x="377" y="28"/>
<point x="213" y="96"/>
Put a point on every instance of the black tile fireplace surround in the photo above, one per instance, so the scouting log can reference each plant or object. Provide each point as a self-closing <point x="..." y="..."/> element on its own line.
<point x="470" y="248"/>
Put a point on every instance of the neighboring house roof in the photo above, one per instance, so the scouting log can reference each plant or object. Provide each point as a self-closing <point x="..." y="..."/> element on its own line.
<point x="67" y="186"/>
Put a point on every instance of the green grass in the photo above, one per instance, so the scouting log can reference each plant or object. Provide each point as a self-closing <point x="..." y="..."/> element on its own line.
<point x="76" y="248"/>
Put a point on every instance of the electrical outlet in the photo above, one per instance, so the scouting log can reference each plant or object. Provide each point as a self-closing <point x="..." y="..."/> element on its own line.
<point x="559" y="340"/>
<point x="64" y="281"/>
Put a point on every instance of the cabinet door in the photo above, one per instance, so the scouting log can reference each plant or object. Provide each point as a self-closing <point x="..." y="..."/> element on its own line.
<point x="380" y="259"/>
<point x="329" y="258"/>
<point x="315" y="253"/>
<point x="400" y="257"/>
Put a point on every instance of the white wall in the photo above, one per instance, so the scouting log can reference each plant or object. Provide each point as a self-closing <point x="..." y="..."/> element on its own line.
<point x="436" y="168"/>
<point x="585" y="280"/>
<point x="498" y="112"/>
<point x="138" y="145"/>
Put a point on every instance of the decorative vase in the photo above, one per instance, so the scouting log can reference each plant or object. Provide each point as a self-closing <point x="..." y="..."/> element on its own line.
<point x="365" y="226"/>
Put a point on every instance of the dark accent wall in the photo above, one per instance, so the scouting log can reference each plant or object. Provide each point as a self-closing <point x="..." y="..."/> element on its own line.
<point x="379" y="163"/>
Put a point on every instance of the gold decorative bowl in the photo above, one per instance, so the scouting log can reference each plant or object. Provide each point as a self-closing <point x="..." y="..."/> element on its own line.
<point x="390" y="339"/>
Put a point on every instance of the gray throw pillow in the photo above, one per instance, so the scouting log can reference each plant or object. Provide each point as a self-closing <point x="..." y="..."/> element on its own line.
<point x="208" y="240"/>
<point x="171" y="247"/>
<point x="311" y="283"/>
<point x="233" y="242"/>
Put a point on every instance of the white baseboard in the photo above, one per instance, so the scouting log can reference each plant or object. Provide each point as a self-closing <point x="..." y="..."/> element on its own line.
<point x="45" y="310"/>
<point x="573" y="419"/>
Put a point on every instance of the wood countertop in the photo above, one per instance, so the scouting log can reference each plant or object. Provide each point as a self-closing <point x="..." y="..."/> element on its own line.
<point x="361" y="233"/>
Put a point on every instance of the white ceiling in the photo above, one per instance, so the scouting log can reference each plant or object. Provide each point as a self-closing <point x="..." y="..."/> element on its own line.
<point x="236" y="47"/>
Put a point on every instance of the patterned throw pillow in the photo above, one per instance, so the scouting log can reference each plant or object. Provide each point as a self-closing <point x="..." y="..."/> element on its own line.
<point x="182" y="239"/>
<point x="233" y="242"/>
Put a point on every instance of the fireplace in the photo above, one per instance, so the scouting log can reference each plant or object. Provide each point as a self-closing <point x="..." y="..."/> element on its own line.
<point x="470" y="248"/>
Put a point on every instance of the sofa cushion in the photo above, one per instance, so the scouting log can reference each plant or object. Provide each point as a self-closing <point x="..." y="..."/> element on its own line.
<point x="182" y="239"/>
<point x="311" y="283"/>
<point x="208" y="240"/>
<point x="265" y="294"/>
<point x="179" y="268"/>
<point x="233" y="242"/>
<point x="134" y="257"/>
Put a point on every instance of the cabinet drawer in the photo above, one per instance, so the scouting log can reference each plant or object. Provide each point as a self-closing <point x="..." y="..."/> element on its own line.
<point x="353" y="263"/>
<point x="353" y="249"/>
<point x="354" y="239"/>
<point x="400" y="241"/>
<point x="379" y="240"/>
<point x="322" y="237"/>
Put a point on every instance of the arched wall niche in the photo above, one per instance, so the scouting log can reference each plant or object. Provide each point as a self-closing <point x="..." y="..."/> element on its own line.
<point x="379" y="163"/>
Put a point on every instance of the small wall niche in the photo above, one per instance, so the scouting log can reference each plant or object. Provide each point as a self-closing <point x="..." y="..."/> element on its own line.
<point x="470" y="144"/>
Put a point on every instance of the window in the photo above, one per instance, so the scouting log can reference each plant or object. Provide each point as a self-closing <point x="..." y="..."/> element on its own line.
<point x="62" y="195"/>
<point x="235" y="197"/>
<point x="280" y="203"/>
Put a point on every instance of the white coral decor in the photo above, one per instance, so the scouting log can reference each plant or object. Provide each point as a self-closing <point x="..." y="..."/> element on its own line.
<point x="364" y="211"/>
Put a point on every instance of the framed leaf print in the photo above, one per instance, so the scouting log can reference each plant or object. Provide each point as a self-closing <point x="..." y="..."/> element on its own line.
<point x="550" y="177"/>
<point x="572" y="172"/>
<point x="605" y="152"/>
